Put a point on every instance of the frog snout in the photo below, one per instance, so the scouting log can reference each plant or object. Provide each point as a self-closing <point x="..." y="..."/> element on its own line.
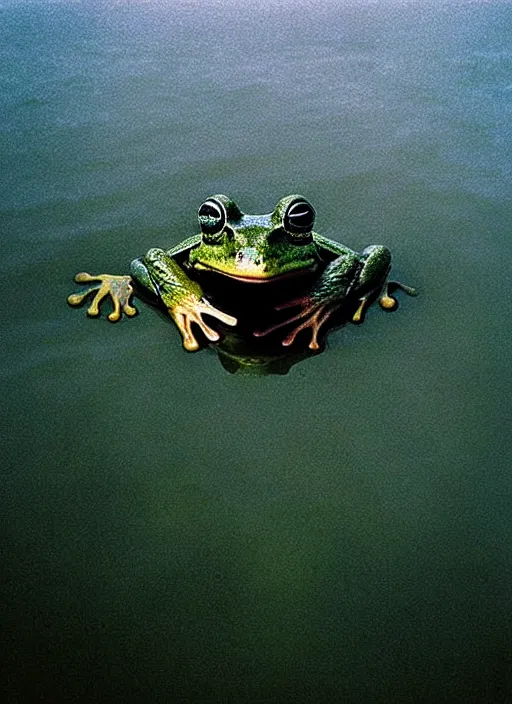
<point x="248" y="258"/>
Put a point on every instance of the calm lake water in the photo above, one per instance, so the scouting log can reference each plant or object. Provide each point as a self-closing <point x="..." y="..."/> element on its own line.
<point x="176" y="533"/>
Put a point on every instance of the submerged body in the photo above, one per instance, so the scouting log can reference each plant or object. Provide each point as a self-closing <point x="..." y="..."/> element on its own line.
<point x="274" y="249"/>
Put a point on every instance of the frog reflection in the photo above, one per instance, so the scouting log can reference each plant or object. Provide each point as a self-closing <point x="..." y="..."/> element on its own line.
<point x="242" y="268"/>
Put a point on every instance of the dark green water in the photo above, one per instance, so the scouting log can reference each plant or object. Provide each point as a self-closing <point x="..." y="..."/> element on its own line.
<point x="175" y="533"/>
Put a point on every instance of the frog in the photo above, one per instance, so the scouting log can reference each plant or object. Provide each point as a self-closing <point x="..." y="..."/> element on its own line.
<point x="280" y="251"/>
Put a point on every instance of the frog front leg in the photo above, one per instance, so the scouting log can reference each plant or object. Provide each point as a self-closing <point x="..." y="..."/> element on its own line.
<point x="327" y="295"/>
<point x="158" y="272"/>
<point x="349" y="277"/>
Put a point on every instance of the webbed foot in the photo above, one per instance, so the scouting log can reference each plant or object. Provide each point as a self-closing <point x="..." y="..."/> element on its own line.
<point x="119" y="288"/>
<point x="313" y="315"/>
<point x="190" y="309"/>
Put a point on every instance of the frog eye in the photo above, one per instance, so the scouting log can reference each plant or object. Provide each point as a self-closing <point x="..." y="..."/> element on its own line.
<point x="299" y="219"/>
<point x="212" y="218"/>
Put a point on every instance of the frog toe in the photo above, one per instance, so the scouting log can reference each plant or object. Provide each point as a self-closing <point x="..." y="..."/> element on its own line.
<point x="312" y="315"/>
<point x="210" y="334"/>
<point x="83" y="277"/>
<point x="129" y="310"/>
<point x="116" y="313"/>
<point x="190" y="342"/>
<point x="206" y="308"/>
<point x="75" y="299"/>
<point x="358" y="316"/>
<point x="409" y="290"/>
<point x="389" y="302"/>
<point x="191" y="310"/>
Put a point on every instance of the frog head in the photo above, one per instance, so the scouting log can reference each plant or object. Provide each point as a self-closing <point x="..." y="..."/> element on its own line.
<point x="256" y="248"/>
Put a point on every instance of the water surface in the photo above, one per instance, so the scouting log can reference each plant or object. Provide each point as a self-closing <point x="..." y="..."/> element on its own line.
<point x="175" y="533"/>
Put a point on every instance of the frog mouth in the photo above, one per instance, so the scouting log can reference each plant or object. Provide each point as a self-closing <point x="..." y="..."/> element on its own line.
<point x="261" y="277"/>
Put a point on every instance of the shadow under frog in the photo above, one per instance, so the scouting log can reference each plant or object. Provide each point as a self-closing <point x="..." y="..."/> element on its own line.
<point x="267" y="282"/>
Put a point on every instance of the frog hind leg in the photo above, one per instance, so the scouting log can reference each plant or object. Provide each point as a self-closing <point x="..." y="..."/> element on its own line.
<point x="317" y="306"/>
<point x="371" y="279"/>
<point x="119" y="288"/>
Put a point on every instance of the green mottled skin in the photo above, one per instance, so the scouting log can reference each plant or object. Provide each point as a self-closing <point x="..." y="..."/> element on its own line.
<point x="270" y="247"/>
<point x="258" y="250"/>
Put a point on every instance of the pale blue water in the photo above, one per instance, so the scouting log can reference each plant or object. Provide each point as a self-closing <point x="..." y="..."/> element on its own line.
<point x="175" y="533"/>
